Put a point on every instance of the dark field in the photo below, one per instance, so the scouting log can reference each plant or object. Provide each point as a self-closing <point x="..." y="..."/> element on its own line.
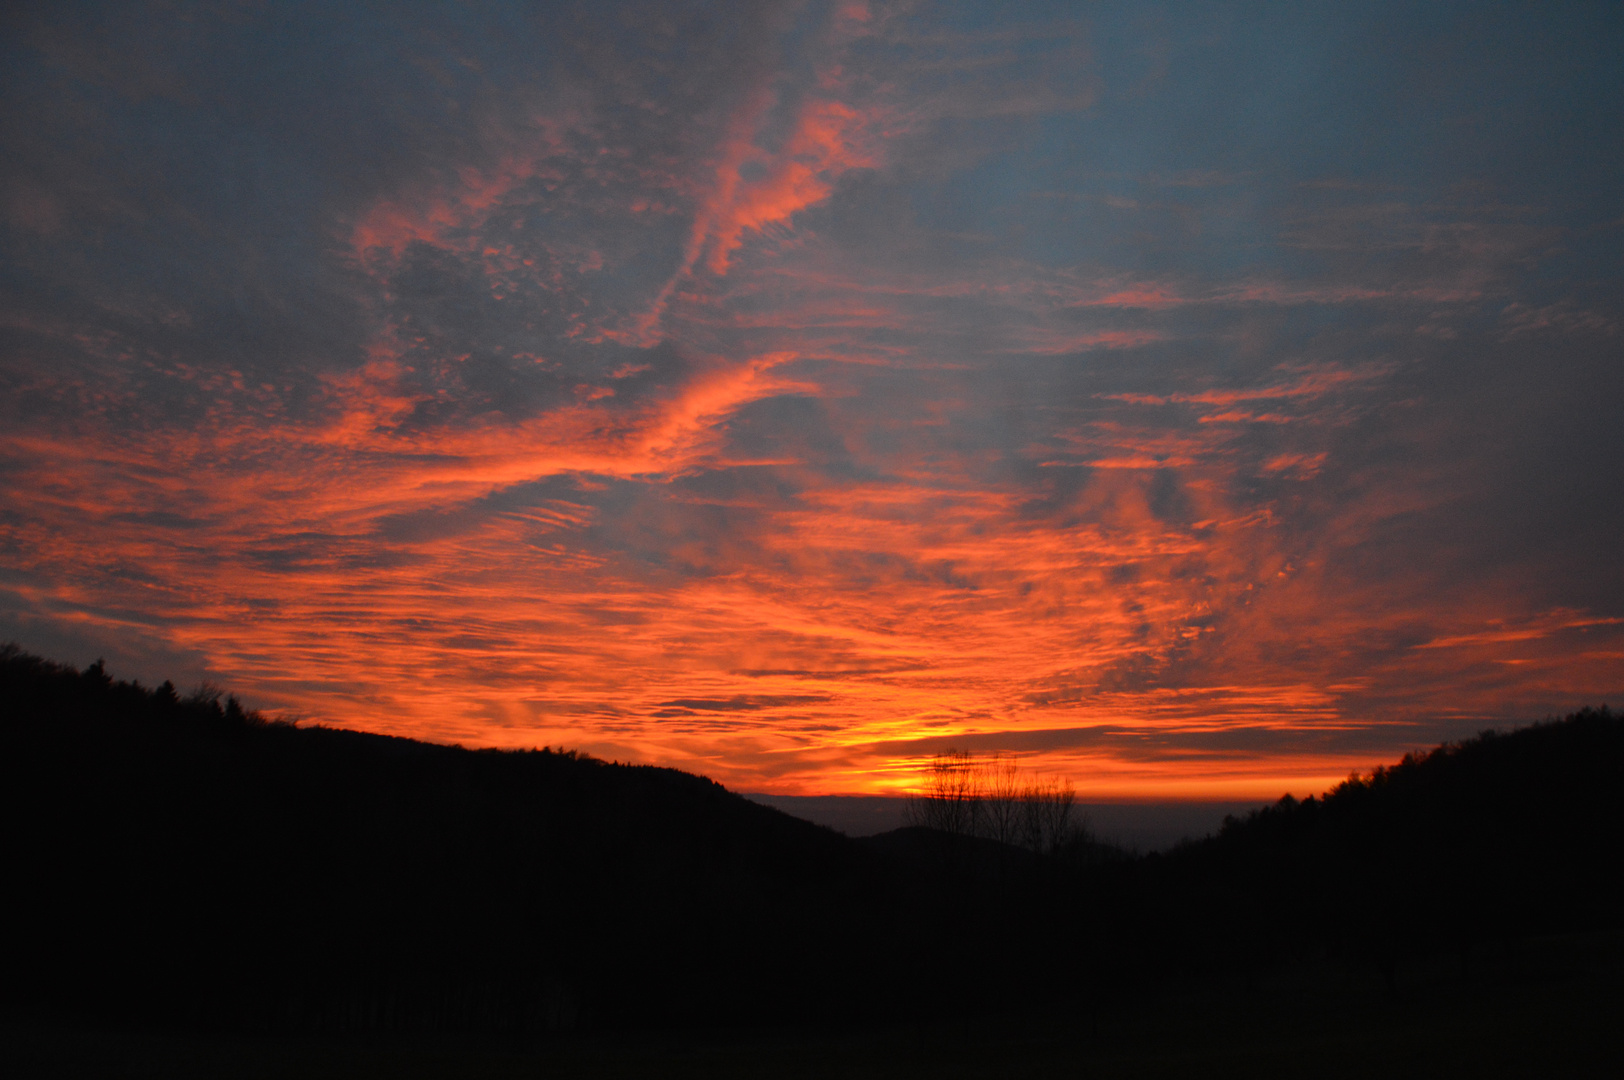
<point x="196" y="891"/>
<point x="1536" y="1007"/>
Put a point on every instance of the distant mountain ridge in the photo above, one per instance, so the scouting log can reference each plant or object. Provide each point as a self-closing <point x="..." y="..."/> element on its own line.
<point x="1135" y="826"/>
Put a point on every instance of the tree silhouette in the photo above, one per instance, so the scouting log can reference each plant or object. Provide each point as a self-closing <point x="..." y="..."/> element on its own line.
<point x="963" y="795"/>
<point x="1046" y="816"/>
<point x="950" y="799"/>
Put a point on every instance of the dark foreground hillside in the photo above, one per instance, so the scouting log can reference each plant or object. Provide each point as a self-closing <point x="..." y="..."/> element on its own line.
<point x="186" y="866"/>
<point x="1547" y="1008"/>
<point x="180" y="859"/>
<point x="1494" y="839"/>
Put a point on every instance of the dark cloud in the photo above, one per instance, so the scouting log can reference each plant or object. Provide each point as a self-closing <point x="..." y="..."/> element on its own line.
<point x="743" y="702"/>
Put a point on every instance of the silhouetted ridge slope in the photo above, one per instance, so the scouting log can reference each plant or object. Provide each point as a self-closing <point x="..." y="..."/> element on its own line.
<point x="186" y="857"/>
<point x="1497" y="837"/>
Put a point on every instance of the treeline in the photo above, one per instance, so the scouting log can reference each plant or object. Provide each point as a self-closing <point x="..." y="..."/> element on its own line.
<point x="181" y="859"/>
<point x="990" y="798"/>
<point x="1474" y="843"/>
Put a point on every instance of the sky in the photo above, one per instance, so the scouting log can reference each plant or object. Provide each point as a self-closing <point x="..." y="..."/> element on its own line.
<point x="1194" y="400"/>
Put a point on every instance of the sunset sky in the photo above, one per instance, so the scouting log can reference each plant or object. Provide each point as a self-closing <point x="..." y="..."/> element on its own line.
<point x="1196" y="400"/>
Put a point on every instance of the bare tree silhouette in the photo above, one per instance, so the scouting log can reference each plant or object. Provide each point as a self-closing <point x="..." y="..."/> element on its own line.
<point x="963" y="795"/>
<point x="1046" y="817"/>
<point x="950" y="799"/>
<point x="1002" y="802"/>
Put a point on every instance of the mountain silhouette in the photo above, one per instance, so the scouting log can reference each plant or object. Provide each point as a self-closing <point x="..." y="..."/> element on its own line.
<point x="184" y="860"/>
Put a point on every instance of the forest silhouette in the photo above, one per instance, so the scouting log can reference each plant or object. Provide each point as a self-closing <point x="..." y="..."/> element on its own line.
<point x="183" y="860"/>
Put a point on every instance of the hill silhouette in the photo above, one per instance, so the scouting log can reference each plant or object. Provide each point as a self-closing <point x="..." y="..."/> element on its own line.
<point x="188" y="861"/>
<point x="188" y="858"/>
<point x="1486" y="841"/>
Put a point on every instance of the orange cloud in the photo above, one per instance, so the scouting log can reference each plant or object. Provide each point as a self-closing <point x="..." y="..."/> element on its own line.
<point x="447" y="213"/>
<point x="854" y="627"/>
<point x="635" y="460"/>
<point x="828" y="139"/>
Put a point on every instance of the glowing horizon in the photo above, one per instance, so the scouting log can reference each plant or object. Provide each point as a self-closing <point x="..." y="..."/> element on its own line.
<point x="1199" y="407"/>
